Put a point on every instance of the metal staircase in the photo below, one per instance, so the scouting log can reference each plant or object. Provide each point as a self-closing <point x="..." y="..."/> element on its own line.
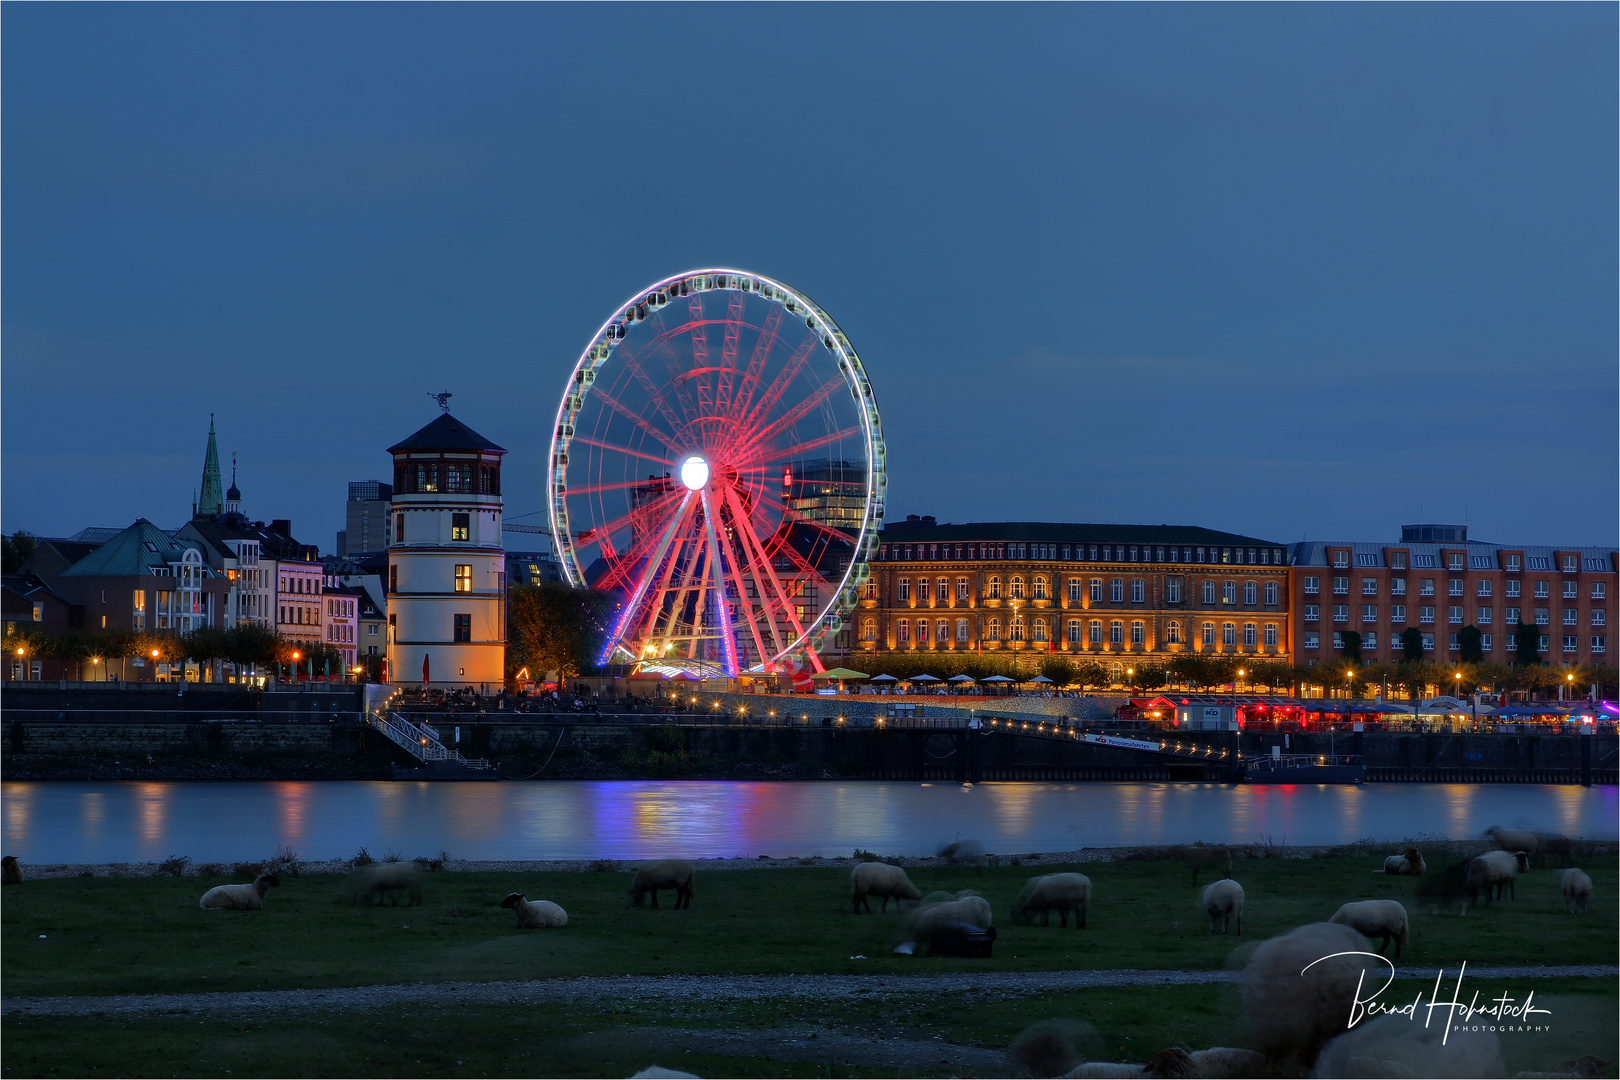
<point x="420" y="740"/>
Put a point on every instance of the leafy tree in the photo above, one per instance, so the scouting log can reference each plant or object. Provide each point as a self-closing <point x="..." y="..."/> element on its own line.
<point x="1059" y="669"/>
<point x="1527" y="635"/>
<point x="15" y="549"/>
<point x="1271" y="674"/>
<point x="1089" y="673"/>
<point x="1411" y="645"/>
<point x="1469" y="640"/>
<point x="552" y="627"/>
<point x="1351" y="645"/>
<point x="1201" y="670"/>
<point x="1146" y="677"/>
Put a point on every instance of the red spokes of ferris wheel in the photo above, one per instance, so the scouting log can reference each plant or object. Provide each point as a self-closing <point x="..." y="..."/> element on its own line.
<point x="719" y="473"/>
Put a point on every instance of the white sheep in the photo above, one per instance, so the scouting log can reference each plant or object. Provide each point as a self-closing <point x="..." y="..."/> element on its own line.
<point x="1062" y="893"/>
<point x="1577" y="889"/>
<point x="1216" y="1063"/>
<point x="1396" y="1046"/>
<point x="1223" y="903"/>
<point x="968" y="908"/>
<point x="1377" y="919"/>
<point x="239" y="897"/>
<point x="1298" y="989"/>
<point x="1494" y="870"/>
<point x="880" y="879"/>
<point x="1511" y="840"/>
<point x="379" y="881"/>
<point x="659" y="874"/>
<point x="1410" y="864"/>
<point x="535" y="914"/>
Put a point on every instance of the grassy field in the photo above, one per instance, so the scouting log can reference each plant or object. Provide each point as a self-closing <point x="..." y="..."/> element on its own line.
<point x="147" y="935"/>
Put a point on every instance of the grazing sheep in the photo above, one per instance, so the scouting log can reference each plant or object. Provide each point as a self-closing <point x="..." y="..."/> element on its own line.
<point x="1577" y="889"/>
<point x="239" y="897"/>
<point x="1411" y="863"/>
<point x="1377" y="918"/>
<point x="1223" y="902"/>
<point x="535" y="914"/>
<point x="663" y="874"/>
<point x="1582" y="1068"/>
<point x="1551" y="843"/>
<point x="1294" y="999"/>
<point x="880" y="879"/>
<point x="1106" y="1070"/>
<point x="1062" y="893"/>
<point x="1216" y="1063"/>
<point x="1197" y="857"/>
<point x="10" y="871"/>
<point x="1494" y="870"/>
<point x="1513" y="839"/>
<point x="1396" y="1046"/>
<point x="969" y="908"/>
<point x="379" y="881"/>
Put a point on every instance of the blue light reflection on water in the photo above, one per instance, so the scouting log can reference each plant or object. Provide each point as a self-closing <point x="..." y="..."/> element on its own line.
<point x="142" y="821"/>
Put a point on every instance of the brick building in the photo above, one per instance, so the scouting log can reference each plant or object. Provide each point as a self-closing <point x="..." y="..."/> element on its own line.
<point x="1438" y="581"/>
<point x="1116" y="594"/>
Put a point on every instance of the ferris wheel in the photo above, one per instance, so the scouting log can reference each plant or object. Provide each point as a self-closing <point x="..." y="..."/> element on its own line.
<point x="717" y="465"/>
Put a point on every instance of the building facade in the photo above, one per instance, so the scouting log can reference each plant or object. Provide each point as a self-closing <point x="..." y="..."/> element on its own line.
<point x="365" y="518"/>
<point x="1120" y="595"/>
<point x="1437" y="581"/>
<point x="446" y="563"/>
<point x="143" y="579"/>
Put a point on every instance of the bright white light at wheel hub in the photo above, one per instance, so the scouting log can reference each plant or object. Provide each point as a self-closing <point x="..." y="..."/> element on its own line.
<point x="694" y="472"/>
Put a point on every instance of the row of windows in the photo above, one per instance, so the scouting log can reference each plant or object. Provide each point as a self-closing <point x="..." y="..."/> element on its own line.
<point x="301" y="584"/>
<point x="1484" y="615"/>
<point x="1369" y="641"/>
<point x="426" y="478"/>
<point x="1017" y="629"/>
<point x="1455" y="587"/>
<point x="1457" y="560"/>
<point x="1078" y="589"/>
<point x="1085" y="553"/>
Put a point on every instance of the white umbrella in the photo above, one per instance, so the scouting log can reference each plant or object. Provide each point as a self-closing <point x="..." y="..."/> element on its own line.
<point x="960" y="679"/>
<point x="923" y="678"/>
<point x="883" y="678"/>
<point x="1041" y="679"/>
<point x="997" y="678"/>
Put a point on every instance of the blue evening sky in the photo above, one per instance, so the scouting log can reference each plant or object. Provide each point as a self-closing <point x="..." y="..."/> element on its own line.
<point x="1288" y="270"/>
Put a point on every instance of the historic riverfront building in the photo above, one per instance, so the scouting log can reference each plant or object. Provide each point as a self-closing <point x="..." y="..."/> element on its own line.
<point x="1438" y="582"/>
<point x="1119" y="595"/>
<point x="446" y="564"/>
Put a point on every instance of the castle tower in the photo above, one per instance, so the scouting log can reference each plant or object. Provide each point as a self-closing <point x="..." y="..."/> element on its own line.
<point x="446" y="563"/>
<point x="213" y="491"/>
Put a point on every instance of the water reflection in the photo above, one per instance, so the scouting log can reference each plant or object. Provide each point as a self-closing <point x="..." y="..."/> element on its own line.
<point x="85" y="822"/>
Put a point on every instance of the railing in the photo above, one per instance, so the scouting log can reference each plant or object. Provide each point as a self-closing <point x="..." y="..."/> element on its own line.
<point x="421" y="740"/>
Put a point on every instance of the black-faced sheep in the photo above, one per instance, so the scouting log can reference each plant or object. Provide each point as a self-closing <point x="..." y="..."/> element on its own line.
<point x="1061" y="893"/>
<point x="10" y="871"/>
<point x="1396" y="1046"/>
<point x="870" y="879"/>
<point x="1410" y="864"/>
<point x="1298" y="990"/>
<point x="1198" y="857"/>
<point x="535" y="914"/>
<point x="659" y="874"/>
<point x="385" y="881"/>
<point x="1216" y="1063"/>
<point x="1375" y="919"/>
<point x="1577" y="890"/>
<point x="238" y="897"/>
<point x="1223" y="903"/>
<point x="1493" y="872"/>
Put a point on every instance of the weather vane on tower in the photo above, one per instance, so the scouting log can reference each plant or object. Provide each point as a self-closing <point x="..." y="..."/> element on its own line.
<point x="443" y="399"/>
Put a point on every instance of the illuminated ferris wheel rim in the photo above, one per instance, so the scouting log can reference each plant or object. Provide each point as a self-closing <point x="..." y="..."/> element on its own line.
<point x="600" y="352"/>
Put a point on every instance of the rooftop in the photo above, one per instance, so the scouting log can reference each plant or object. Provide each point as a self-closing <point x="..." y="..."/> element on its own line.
<point x="446" y="433"/>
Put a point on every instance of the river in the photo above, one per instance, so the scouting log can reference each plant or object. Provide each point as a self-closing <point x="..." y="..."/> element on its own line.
<point x="69" y="822"/>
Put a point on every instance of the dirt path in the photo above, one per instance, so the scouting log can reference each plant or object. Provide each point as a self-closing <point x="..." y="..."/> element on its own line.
<point x="685" y="987"/>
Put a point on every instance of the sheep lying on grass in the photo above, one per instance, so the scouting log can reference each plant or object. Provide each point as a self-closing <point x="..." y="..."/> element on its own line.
<point x="384" y="881"/>
<point x="1223" y="903"/>
<point x="1294" y="999"/>
<point x="1062" y="893"/>
<point x="1198" y="857"/>
<point x="1377" y="919"/>
<point x="1216" y="1063"/>
<point x="880" y="879"/>
<point x="1577" y="890"/>
<point x="1395" y="1046"/>
<point x="239" y="897"/>
<point x="535" y="914"/>
<point x="1411" y="863"/>
<point x="1494" y="870"/>
<point x="663" y="874"/>
<point x="10" y="871"/>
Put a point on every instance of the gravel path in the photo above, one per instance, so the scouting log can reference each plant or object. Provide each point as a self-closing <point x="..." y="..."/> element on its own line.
<point x="627" y="988"/>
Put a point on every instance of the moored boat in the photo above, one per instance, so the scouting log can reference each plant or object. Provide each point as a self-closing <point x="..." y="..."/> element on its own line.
<point x="1305" y="769"/>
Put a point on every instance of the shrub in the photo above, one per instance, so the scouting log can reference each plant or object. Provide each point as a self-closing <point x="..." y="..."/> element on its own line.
<point x="865" y="856"/>
<point x="210" y="869"/>
<point x="174" y="865"/>
<point x="361" y="858"/>
<point x="284" y="861"/>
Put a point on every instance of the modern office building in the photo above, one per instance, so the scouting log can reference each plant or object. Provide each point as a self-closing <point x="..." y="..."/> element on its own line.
<point x="365" y="525"/>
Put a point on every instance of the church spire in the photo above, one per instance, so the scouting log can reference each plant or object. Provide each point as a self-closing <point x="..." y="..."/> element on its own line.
<point x="213" y="494"/>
